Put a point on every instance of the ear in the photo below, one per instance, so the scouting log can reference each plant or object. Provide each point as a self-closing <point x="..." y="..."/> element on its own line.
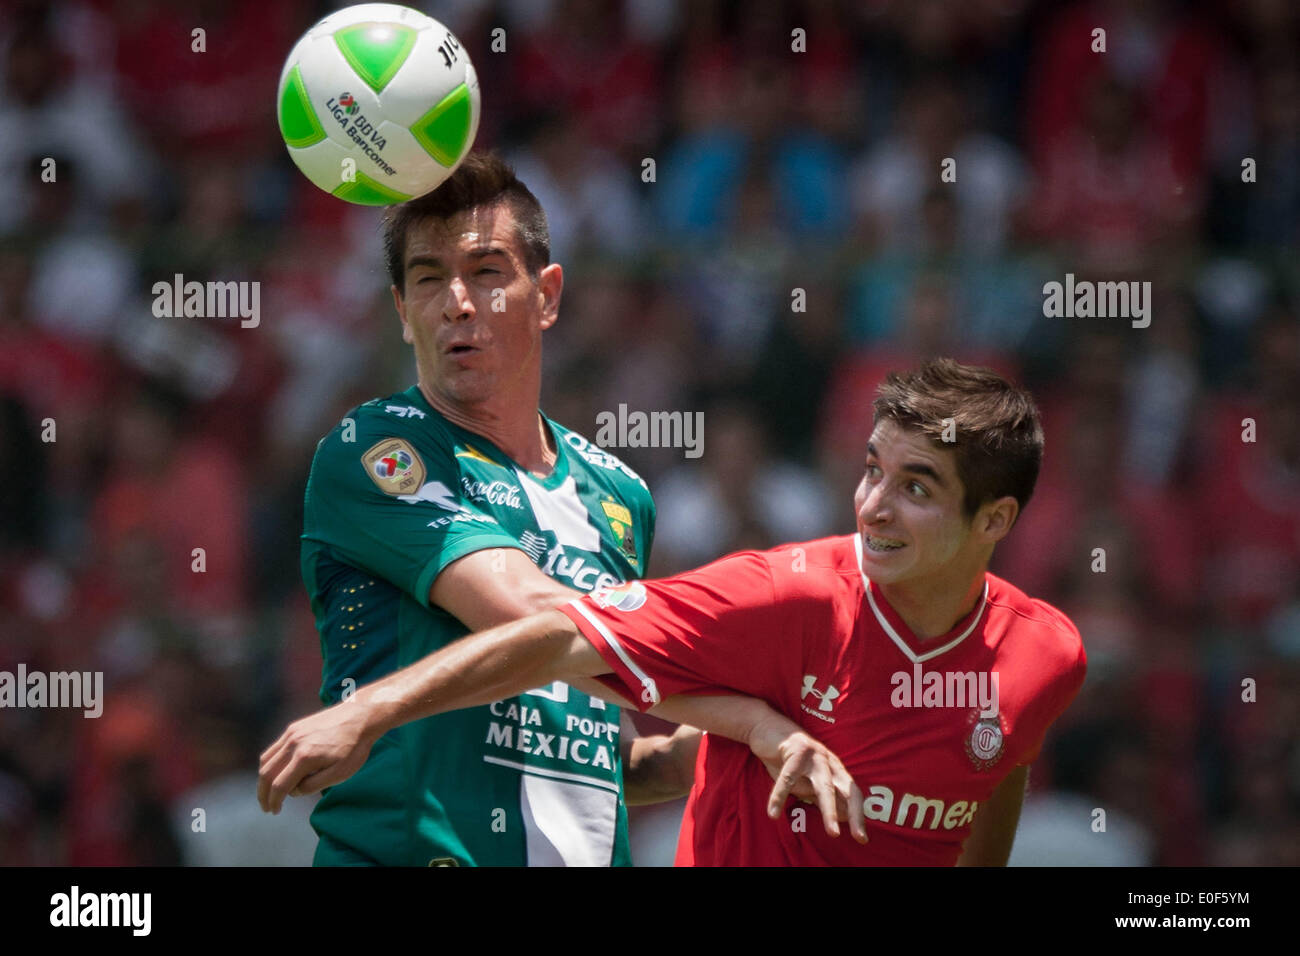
<point x="401" y="314"/>
<point x="996" y="518"/>
<point x="550" y="284"/>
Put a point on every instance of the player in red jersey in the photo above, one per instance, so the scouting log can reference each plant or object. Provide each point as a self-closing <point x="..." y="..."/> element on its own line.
<point x="932" y="679"/>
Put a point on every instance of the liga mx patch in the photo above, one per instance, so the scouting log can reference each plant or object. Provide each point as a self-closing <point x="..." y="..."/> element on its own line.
<point x="623" y="597"/>
<point x="984" y="744"/>
<point x="394" y="467"/>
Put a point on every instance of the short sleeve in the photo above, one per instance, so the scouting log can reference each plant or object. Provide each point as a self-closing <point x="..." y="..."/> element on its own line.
<point x="717" y="629"/>
<point x="1059" y="693"/>
<point x="391" y="510"/>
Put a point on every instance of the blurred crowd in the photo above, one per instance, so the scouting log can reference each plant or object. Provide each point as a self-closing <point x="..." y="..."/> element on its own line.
<point x="793" y="243"/>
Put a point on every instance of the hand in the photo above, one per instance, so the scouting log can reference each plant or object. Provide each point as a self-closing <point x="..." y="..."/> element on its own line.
<point x="315" y="752"/>
<point x="807" y="769"/>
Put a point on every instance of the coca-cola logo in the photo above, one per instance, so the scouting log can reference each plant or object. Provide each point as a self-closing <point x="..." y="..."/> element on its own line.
<point x="492" y="492"/>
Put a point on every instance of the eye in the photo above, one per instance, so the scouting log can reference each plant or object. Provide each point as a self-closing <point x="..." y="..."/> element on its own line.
<point x="917" y="489"/>
<point x="872" y="470"/>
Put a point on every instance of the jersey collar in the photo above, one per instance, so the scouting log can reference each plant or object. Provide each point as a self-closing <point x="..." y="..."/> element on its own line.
<point x="901" y="634"/>
<point x="488" y="449"/>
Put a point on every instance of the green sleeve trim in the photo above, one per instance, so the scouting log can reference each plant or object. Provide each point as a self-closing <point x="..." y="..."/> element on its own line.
<point x="445" y="556"/>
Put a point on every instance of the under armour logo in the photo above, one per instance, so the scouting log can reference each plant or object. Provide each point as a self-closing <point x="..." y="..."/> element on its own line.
<point x="809" y="687"/>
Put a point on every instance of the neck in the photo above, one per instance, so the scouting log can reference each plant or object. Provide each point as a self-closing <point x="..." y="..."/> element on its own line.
<point x="932" y="608"/>
<point x="514" y="427"/>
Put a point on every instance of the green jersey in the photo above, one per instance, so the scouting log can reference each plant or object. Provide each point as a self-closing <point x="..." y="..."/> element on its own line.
<point x="397" y="493"/>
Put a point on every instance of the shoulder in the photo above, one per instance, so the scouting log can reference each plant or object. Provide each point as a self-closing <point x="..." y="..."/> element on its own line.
<point x="392" y="441"/>
<point x="1056" y="639"/>
<point x="819" y="567"/>
<point x="810" y="572"/>
<point x="394" y="415"/>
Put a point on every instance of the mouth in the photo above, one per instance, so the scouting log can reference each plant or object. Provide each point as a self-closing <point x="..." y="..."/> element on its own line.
<point x="459" y="350"/>
<point x="880" y="545"/>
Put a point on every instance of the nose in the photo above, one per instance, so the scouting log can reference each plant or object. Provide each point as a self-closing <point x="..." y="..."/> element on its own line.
<point x="458" y="304"/>
<point x="876" y="507"/>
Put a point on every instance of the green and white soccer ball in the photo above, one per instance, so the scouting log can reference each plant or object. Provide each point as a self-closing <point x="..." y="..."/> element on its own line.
<point x="378" y="103"/>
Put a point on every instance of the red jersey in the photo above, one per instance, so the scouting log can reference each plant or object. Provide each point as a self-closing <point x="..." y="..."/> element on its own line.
<point x="927" y="728"/>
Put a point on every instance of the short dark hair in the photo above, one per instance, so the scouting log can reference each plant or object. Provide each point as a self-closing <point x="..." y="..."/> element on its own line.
<point x="999" y="436"/>
<point x="482" y="179"/>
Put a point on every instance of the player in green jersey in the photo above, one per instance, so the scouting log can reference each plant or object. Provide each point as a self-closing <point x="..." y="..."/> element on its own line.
<point x="455" y="506"/>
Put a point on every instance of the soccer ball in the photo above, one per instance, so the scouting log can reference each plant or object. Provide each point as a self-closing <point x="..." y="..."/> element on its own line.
<point x="378" y="104"/>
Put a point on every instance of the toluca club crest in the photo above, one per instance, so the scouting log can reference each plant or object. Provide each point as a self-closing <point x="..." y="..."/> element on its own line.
<point x="984" y="742"/>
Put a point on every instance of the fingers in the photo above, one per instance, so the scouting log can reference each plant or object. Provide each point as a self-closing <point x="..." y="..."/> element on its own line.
<point x="824" y="784"/>
<point x="785" y="782"/>
<point x="857" y="816"/>
<point x="281" y="769"/>
<point x="316" y="782"/>
<point x="822" y="776"/>
<point x="814" y="771"/>
<point x="814" y="774"/>
<point x="848" y="798"/>
<point x="807" y="763"/>
<point x="273" y="761"/>
<point x="285" y="783"/>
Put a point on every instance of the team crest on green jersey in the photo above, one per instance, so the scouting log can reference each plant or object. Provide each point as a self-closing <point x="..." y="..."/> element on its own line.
<point x="620" y="522"/>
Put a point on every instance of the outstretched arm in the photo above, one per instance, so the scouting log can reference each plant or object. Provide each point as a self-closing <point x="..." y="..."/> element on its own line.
<point x="328" y="747"/>
<point x="495" y="586"/>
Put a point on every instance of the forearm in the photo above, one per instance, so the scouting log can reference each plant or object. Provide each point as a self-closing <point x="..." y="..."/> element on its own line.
<point x="800" y="766"/>
<point x="660" y="767"/>
<point x="728" y="715"/>
<point x="994" y="829"/>
<point x="479" y="669"/>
